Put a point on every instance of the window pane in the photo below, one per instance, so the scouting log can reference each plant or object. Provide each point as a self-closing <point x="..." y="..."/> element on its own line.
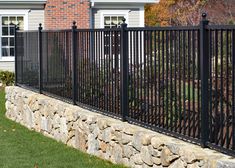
<point x="4" y="31"/>
<point x="114" y="20"/>
<point x="107" y="20"/>
<point x="12" y="20"/>
<point x="12" y="52"/>
<point x="12" y="41"/>
<point x="12" y="30"/>
<point x="20" y="20"/>
<point x="4" y="41"/>
<point x="5" y="52"/>
<point x="5" y="20"/>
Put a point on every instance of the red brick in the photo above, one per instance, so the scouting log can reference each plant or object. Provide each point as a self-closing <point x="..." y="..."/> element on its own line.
<point x="60" y="14"/>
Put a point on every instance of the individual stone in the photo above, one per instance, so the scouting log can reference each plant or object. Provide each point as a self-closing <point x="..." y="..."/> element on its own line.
<point x="118" y="127"/>
<point x="63" y="126"/>
<point x="137" y="140"/>
<point x="137" y="159"/>
<point x="116" y="156"/>
<point x="129" y="130"/>
<point x="103" y="146"/>
<point x="146" y="156"/>
<point x="225" y="164"/>
<point x="102" y="124"/>
<point x="83" y="117"/>
<point x="128" y="151"/>
<point x="34" y="106"/>
<point x="83" y="126"/>
<point x="56" y="121"/>
<point x="167" y="157"/>
<point x="107" y="134"/>
<point x="146" y="139"/>
<point x="96" y="132"/>
<point x="156" y="160"/>
<point x="93" y="144"/>
<point x="80" y="140"/>
<point x="194" y="165"/>
<point x="126" y="138"/>
<point x="91" y="120"/>
<point x="70" y="114"/>
<point x="125" y="161"/>
<point x="28" y="118"/>
<point x="187" y="155"/>
<point x="154" y="152"/>
<point x="178" y="164"/>
<point x="157" y="166"/>
<point x="117" y="136"/>
<point x="174" y="147"/>
<point x="156" y="142"/>
<point x="44" y="124"/>
<point x="138" y="166"/>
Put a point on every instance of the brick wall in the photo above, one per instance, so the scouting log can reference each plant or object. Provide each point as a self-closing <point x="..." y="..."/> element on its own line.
<point x="59" y="14"/>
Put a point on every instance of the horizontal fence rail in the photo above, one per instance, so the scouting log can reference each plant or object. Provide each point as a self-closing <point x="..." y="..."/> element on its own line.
<point x="176" y="80"/>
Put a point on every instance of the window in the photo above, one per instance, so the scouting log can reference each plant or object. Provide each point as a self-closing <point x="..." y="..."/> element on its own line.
<point x="7" y="34"/>
<point x="112" y="21"/>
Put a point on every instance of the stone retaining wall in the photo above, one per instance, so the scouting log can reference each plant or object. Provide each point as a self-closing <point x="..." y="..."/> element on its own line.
<point x="105" y="137"/>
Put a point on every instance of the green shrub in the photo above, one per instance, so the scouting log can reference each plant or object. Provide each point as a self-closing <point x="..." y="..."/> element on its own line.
<point x="7" y="78"/>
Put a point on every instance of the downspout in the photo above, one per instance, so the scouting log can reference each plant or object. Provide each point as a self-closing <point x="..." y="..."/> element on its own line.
<point x="92" y="54"/>
<point x="91" y="16"/>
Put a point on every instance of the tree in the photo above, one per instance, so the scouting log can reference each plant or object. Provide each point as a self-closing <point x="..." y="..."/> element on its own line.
<point x="188" y="12"/>
<point x="159" y="14"/>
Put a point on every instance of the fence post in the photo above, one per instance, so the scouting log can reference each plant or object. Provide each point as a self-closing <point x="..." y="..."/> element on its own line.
<point x="204" y="73"/>
<point x="40" y="56"/>
<point x="124" y="71"/>
<point x="15" y="41"/>
<point x="74" y="63"/>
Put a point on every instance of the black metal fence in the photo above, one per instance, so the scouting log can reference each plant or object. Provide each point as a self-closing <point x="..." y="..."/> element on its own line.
<point x="177" y="80"/>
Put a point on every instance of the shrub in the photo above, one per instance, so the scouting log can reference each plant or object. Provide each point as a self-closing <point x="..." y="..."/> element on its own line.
<point x="7" y="78"/>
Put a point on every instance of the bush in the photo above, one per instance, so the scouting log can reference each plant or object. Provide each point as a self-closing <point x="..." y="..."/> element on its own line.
<point x="7" y="78"/>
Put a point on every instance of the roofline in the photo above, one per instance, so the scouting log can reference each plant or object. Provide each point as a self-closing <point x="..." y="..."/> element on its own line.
<point x="31" y="2"/>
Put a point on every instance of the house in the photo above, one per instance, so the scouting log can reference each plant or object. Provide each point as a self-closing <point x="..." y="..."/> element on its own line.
<point x="59" y="14"/>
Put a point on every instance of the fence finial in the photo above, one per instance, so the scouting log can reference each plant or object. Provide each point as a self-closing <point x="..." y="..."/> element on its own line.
<point x="74" y="23"/>
<point x="204" y="15"/>
<point x="124" y="20"/>
<point x="40" y="24"/>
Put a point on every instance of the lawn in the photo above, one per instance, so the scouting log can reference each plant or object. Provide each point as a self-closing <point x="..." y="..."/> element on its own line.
<point x="22" y="148"/>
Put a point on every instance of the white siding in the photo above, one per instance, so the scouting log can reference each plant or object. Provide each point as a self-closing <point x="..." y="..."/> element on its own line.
<point x="7" y="66"/>
<point x="35" y="17"/>
<point x="133" y="16"/>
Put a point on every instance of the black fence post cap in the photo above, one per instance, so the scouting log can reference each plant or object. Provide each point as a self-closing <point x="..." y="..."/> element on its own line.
<point x="204" y="15"/>
<point x="124" y="20"/>
<point x="40" y="24"/>
<point x="74" y="24"/>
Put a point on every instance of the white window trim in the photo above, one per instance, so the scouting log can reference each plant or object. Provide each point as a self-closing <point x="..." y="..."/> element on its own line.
<point x="104" y="13"/>
<point x="25" y="14"/>
<point x="142" y="20"/>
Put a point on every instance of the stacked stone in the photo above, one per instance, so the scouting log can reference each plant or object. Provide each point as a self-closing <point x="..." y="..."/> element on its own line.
<point x="105" y="137"/>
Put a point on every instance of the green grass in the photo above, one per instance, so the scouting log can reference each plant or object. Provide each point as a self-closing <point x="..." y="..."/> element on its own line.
<point x="22" y="148"/>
